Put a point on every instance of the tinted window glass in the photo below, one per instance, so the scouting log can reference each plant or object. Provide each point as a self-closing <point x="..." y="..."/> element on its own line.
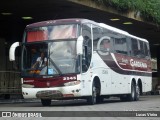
<point x="102" y="40"/>
<point x="97" y="34"/>
<point x="146" y="50"/>
<point x="135" y="48"/>
<point x="120" y="45"/>
<point x="87" y="46"/>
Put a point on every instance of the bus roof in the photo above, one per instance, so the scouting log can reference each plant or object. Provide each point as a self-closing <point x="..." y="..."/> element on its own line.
<point x="81" y="20"/>
<point x="121" y="32"/>
<point x="113" y="28"/>
<point x="58" y="21"/>
<point x="142" y="39"/>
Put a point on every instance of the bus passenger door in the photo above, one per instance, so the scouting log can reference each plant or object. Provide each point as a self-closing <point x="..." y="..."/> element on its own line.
<point x="86" y="58"/>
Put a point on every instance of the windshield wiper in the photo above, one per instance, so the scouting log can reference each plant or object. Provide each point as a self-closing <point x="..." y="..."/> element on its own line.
<point x="53" y="63"/>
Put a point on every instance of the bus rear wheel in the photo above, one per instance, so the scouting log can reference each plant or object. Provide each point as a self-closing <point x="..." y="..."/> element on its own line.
<point x="132" y="95"/>
<point x="137" y="93"/>
<point x="46" y="102"/>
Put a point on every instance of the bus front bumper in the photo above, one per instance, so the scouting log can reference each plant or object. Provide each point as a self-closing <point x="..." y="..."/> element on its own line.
<point x="49" y="94"/>
<point x="52" y="93"/>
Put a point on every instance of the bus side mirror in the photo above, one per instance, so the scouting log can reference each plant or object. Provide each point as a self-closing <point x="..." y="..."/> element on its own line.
<point x="80" y="45"/>
<point x="12" y="51"/>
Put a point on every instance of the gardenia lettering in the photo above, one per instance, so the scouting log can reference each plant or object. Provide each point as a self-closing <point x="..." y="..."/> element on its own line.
<point x="137" y="64"/>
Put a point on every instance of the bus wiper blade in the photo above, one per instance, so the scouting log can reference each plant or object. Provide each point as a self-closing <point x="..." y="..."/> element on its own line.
<point x="53" y="63"/>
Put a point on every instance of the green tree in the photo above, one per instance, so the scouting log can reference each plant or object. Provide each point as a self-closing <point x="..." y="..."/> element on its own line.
<point x="149" y="9"/>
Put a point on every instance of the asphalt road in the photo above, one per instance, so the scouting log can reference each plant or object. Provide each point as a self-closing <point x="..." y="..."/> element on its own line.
<point x="146" y="103"/>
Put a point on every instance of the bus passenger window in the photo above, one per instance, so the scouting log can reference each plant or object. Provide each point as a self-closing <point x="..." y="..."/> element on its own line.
<point x="146" y="50"/>
<point x="134" y="44"/>
<point x="106" y="44"/>
<point x="97" y="34"/>
<point x="120" y="45"/>
<point x="141" y="51"/>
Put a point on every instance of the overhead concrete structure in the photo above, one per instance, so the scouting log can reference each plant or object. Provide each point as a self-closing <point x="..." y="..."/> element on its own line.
<point x="101" y="6"/>
<point x="16" y="14"/>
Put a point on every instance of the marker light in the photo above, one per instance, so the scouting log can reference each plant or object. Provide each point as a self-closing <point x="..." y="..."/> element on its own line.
<point x="7" y="13"/>
<point x="127" y="23"/>
<point x="114" y="19"/>
<point x="27" y="18"/>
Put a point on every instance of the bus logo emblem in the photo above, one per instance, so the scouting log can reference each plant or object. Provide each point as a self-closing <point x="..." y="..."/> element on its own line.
<point x="48" y="84"/>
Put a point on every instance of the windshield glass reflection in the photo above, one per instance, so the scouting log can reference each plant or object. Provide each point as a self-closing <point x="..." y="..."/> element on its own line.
<point x="52" y="58"/>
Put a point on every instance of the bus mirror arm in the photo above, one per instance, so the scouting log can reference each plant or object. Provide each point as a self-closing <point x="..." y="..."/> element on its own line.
<point x="79" y="45"/>
<point x="12" y="51"/>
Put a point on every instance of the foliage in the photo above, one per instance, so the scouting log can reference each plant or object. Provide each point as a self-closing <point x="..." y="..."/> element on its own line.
<point x="149" y="9"/>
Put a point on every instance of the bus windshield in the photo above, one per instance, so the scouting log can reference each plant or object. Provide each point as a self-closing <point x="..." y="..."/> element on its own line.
<point x="50" y="50"/>
<point x="49" y="58"/>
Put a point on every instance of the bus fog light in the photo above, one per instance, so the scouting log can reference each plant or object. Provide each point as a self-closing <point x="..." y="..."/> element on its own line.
<point x="77" y="90"/>
<point x="72" y="91"/>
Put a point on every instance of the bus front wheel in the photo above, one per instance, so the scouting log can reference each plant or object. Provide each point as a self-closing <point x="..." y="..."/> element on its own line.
<point x="46" y="102"/>
<point x="91" y="100"/>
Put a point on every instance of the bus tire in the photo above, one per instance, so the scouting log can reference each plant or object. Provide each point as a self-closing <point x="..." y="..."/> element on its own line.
<point x="91" y="100"/>
<point x="131" y="96"/>
<point x="137" y="93"/>
<point x="46" y="102"/>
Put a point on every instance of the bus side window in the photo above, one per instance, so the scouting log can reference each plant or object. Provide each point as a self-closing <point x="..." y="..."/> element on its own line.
<point x="146" y="51"/>
<point x="141" y="51"/>
<point x="120" y="45"/>
<point x="134" y="44"/>
<point x="106" y="44"/>
<point x="97" y="34"/>
<point x="87" y="46"/>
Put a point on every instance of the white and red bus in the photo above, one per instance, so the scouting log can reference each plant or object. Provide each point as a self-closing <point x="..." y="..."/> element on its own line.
<point x="83" y="59"/>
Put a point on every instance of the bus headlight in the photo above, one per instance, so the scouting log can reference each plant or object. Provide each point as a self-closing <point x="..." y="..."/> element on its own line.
<point x="27" y="86"/>
<point x="72" y="83"/>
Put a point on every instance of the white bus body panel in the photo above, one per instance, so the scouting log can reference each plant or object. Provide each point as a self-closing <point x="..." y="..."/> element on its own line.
<point x="31" y="92"/>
